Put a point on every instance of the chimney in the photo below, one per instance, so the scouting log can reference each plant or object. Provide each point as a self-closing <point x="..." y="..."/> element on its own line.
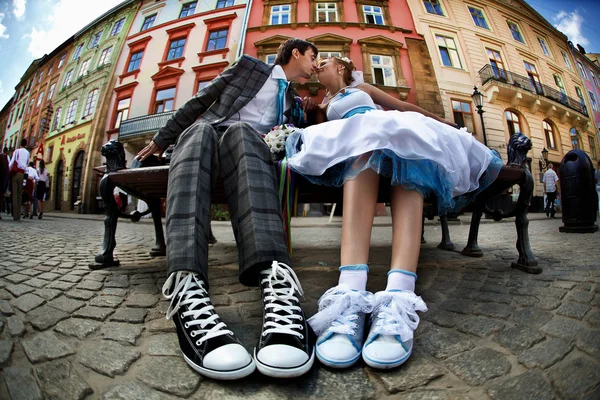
<point x="581" y="49"/>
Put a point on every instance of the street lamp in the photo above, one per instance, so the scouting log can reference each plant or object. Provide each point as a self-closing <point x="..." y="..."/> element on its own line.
<point x="543" y="163"/>
<point x="477" y="97"/>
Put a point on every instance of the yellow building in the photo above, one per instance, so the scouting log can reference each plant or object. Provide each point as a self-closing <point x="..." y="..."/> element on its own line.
<point x="521" y="64"/>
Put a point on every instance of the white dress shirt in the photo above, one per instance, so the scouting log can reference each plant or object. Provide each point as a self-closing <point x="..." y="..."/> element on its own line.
<point x="261" y="111"/>
<point x="550" y="179"/>
<point x="22" y="159"/>
<point x="32" y="174"/>
<point x="43" y="176"/>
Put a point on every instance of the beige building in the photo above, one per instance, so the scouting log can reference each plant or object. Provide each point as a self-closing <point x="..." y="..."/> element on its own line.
<point x="521" y="64"/>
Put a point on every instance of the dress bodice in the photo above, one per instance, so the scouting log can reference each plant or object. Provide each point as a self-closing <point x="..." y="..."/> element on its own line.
<point x="349" y="102"/>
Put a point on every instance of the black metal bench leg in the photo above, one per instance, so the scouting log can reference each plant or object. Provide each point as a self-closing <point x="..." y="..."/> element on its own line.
<point x="472" y="248"/>
<point x="527" y="261"/>
<point x="159" y="249"/>
<point x="446" y="243"/>
<point x="105" y="257"/>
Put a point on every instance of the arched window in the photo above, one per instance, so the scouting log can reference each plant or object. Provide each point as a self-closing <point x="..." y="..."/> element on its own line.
<point x="513" y="122"/>
<point x="549" y="134"/>
<point x="575" y="138"/>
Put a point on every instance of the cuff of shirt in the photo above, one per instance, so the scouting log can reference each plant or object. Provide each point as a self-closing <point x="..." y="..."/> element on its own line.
<point x="160" y="142"/>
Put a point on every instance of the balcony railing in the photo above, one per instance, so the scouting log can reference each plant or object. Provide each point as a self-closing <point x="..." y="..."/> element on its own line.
<point x="143" y="125"/>
<point x="489" y="72"/>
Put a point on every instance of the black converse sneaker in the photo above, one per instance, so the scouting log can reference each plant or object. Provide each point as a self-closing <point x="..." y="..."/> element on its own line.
<point x="285" y="348"/>
<point x="206" y="343"/>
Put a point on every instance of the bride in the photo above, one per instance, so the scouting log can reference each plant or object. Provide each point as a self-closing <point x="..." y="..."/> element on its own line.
<point x="421" y="155"/>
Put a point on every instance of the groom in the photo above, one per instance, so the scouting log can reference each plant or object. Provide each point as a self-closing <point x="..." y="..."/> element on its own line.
<point x="218" y="133"/>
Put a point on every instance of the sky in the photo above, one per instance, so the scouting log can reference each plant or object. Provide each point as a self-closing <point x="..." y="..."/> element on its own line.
<point x="31" y="28"/>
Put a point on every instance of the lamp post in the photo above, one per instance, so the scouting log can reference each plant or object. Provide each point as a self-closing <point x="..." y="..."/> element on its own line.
<point x="477" y="97"/>
<point x="543" y="163"/>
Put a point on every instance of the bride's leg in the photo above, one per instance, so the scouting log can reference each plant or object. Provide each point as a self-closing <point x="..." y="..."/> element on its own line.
<point x="407" y="225"/>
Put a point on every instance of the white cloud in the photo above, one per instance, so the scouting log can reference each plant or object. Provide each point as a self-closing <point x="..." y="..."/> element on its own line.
<point x="3" y="28"/>
<point x="570" y="24"/>
<point x="65" y="18"/>
<point x="19" y="8"/>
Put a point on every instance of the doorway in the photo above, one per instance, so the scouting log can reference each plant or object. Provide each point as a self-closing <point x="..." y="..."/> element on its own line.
<point x="58" y="187"/>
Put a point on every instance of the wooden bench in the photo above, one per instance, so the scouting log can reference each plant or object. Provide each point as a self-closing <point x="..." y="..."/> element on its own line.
<point x="149" y="183"/>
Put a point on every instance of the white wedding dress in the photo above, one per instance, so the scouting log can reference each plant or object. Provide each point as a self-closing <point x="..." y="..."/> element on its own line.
<point x="411" y="149"/>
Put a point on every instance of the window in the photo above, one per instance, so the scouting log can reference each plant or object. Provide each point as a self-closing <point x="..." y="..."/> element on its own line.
<point x="95" y="40"/>
<point x="463" y="114"/>
<point x="224" y="3"/>
<point x="135" y="61"/>
<point x="49" y="154"/>
<point x="497" y="64"/>
<point x="280" y="14"/>
<point x="90" y="103"/>
<point x="549" y="133"/>
<point x="575" y="138"/>
<point x="580" y="96"/>
<point x="176" y="49"/>
<point x="544" y="47"/>
<point x="270" y="59"/>
<point x="559" y="83"/>
<point x="327" y="12"/>
<point x="514" y="124"/>
<point x="40" y="76"/>
<point x="516" y="32"/>
<point x="148" y="22"/>
<point x="582" y="70"/>
<point x="373" y="15"/>
<point x="62" y="60"/>
<point x="164" y="100"/>
<point x="71" y="112"/>
<point x="188" y="9"/>
<point x="84" y="68"/>
<point x="566" y="60"/>
<point x="594" y="77"/>
<point x="77" y="52"/>
<point x="40" y="98"/>
<point x="51" y="92"/>
<point x="328" y="54"/>
<point x="534" y="77"/>
<point x="593" y="151"/>
<point x="67" y="80"/>
<point x="593" y="100"/>
<point x="49" y="71"/>
<point x="448" y="51"/>
<point x="433" y="7"/>
<point x="57" y="115"/>
<point x="122" y="111"/>
<point x="478" y="17"/>
<point x="217" y="40"/>
<point x="382" y="68"/>
<point x="117" y="27"/>
<point x="105" y="56"/>
<point x="203" y="84"/>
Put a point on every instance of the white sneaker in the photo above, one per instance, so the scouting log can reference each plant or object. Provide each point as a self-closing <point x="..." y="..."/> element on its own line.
<point x="393" y="322"/>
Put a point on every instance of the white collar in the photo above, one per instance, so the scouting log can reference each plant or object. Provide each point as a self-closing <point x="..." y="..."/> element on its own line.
<point x="278" y="73"/>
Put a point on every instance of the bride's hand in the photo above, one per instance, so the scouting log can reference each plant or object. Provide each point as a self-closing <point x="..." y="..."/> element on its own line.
<point x="308" y="104"/>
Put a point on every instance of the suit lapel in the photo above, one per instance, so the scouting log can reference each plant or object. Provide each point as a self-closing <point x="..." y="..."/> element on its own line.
<point x="254" y="81"/>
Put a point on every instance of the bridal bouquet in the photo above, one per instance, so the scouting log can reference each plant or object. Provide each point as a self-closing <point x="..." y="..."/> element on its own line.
<point x="276" y="138"/>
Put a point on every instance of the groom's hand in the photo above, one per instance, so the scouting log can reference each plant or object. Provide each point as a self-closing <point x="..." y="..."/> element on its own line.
<point x="148" y="151"/>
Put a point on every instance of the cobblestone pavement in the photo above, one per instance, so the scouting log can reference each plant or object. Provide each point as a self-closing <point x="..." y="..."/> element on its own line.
<point x="67" y="332"/>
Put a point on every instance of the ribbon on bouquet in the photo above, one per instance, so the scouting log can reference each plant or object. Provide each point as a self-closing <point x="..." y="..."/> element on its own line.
<point x="286" y="188"/>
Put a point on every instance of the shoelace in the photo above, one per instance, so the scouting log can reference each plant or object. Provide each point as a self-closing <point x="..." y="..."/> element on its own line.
<point x="189" y="291"/>
<point x="281" y="315"/>
<point x="395" y="313"/>
<point x="338" y="309"/>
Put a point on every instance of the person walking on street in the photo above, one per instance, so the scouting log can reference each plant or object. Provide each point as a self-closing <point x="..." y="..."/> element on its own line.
<point x="20" y="157"/>
<point x="41" y="187"/>
<point x="597" y="176"/>
<point x="30" y="183"/>
<point x="3" y="177"/>
<point x="551" y="187"/>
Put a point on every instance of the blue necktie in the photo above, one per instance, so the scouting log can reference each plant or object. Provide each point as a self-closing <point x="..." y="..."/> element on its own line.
<point x="280" y="96"/>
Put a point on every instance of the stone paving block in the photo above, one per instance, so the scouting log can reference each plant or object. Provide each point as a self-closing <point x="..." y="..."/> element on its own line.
<point x="77" y="327"/>
<point x="131" y="315"/>
<point x="18" y="290"/>
<point x="170" y="375"/>
<point x="49" y="276"/>
<point x="121" y="332"/>
<point x="493" y="310"/>
<point x="5" y="308"/>
<point x="21" y="384"/>
<point x="573" y="309"/>
<point x="5" y="295"/>
<point x="164" y="345"/>
<point x="443" y="344"/>
<point x="28" y="302"/>
<point x="67" y="305"/>
<point x="478" y="366"/>
<point x="564" y="285"/>
<point x="518" y="338"/>
<point x="161" y="325"/>
<point x="480" y="326"/>
<point x="141" y="300"/>
<point x="545" y="354"/>
<point x="108" y="358"/>
<point x="70" y="278"/>
<point x="442" y="318"/>
<point x="36" y="283"/>
<point x="580" y="296"/>
<point x="97" y="313"/>
<point x="60" y="381"/>
<point x="89" y="285"/>
<point x="494" y="298"/>
<point x="146" y="288"/>
<point x="530" y="385"/>
<point x="561" y="327"/>
<point x="45" y="346"/>
<point x="48" y="294"/>
<point x="16" y="278"/>
<point x="135" y="390"/>
<point x="59" y="285"/>
<point x="106" y="301"/>
<point x="593" y="318"/>
<point x="524" y="301"/>
<point x="78" y="294"/>
<point x="589" y="341"/>
<point x="6" y="349"/>
<point x="15" y="326"/>
<point x="587" y="373"/>
<point x="457" y="306"/>
<point x="414" y="373"/>
<point x="548" y="303"/>
<point x="119" y="281"/>
<point x="114" y="292"/>
<point x="30" y="272"/>
<point x="45" y="317"/>
<point x="531" y="316"/>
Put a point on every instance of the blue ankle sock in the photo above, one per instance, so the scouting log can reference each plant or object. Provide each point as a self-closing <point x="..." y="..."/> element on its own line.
<point x="399" y="279"/>
<point x="354" y="276"/>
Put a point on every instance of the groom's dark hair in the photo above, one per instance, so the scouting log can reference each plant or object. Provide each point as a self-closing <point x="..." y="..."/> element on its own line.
<point x="284" y="53"/>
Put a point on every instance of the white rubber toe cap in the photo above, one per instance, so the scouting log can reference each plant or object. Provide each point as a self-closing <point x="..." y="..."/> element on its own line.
<point x="282" y="356"/>
<point x="385" y="352"/>
<point x="227" y="358"/>
<point x="337" y="348"/>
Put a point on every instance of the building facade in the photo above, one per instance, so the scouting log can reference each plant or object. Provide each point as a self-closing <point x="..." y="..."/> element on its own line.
<point x="5" y="113"/>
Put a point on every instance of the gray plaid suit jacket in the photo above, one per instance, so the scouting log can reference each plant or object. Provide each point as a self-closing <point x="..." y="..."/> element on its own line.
<point x="227" y="94"/>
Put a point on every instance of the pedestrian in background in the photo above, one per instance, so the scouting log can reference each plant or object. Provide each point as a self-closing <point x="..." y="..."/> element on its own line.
<point x="41" y="187"/>
<point x="32" y="178"/>
<point x="597" y="176"/>
<point x="551" y="187"/>
<point x="20" y="157"/>
<point x="3" y="177"/>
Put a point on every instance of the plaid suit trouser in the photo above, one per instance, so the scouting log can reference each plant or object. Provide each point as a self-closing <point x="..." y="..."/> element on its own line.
<point x="243" y="160"/>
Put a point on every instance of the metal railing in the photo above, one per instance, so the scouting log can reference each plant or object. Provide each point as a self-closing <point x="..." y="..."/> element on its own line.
<point x="143" y="125"/>
<point x="489" y="72"/>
